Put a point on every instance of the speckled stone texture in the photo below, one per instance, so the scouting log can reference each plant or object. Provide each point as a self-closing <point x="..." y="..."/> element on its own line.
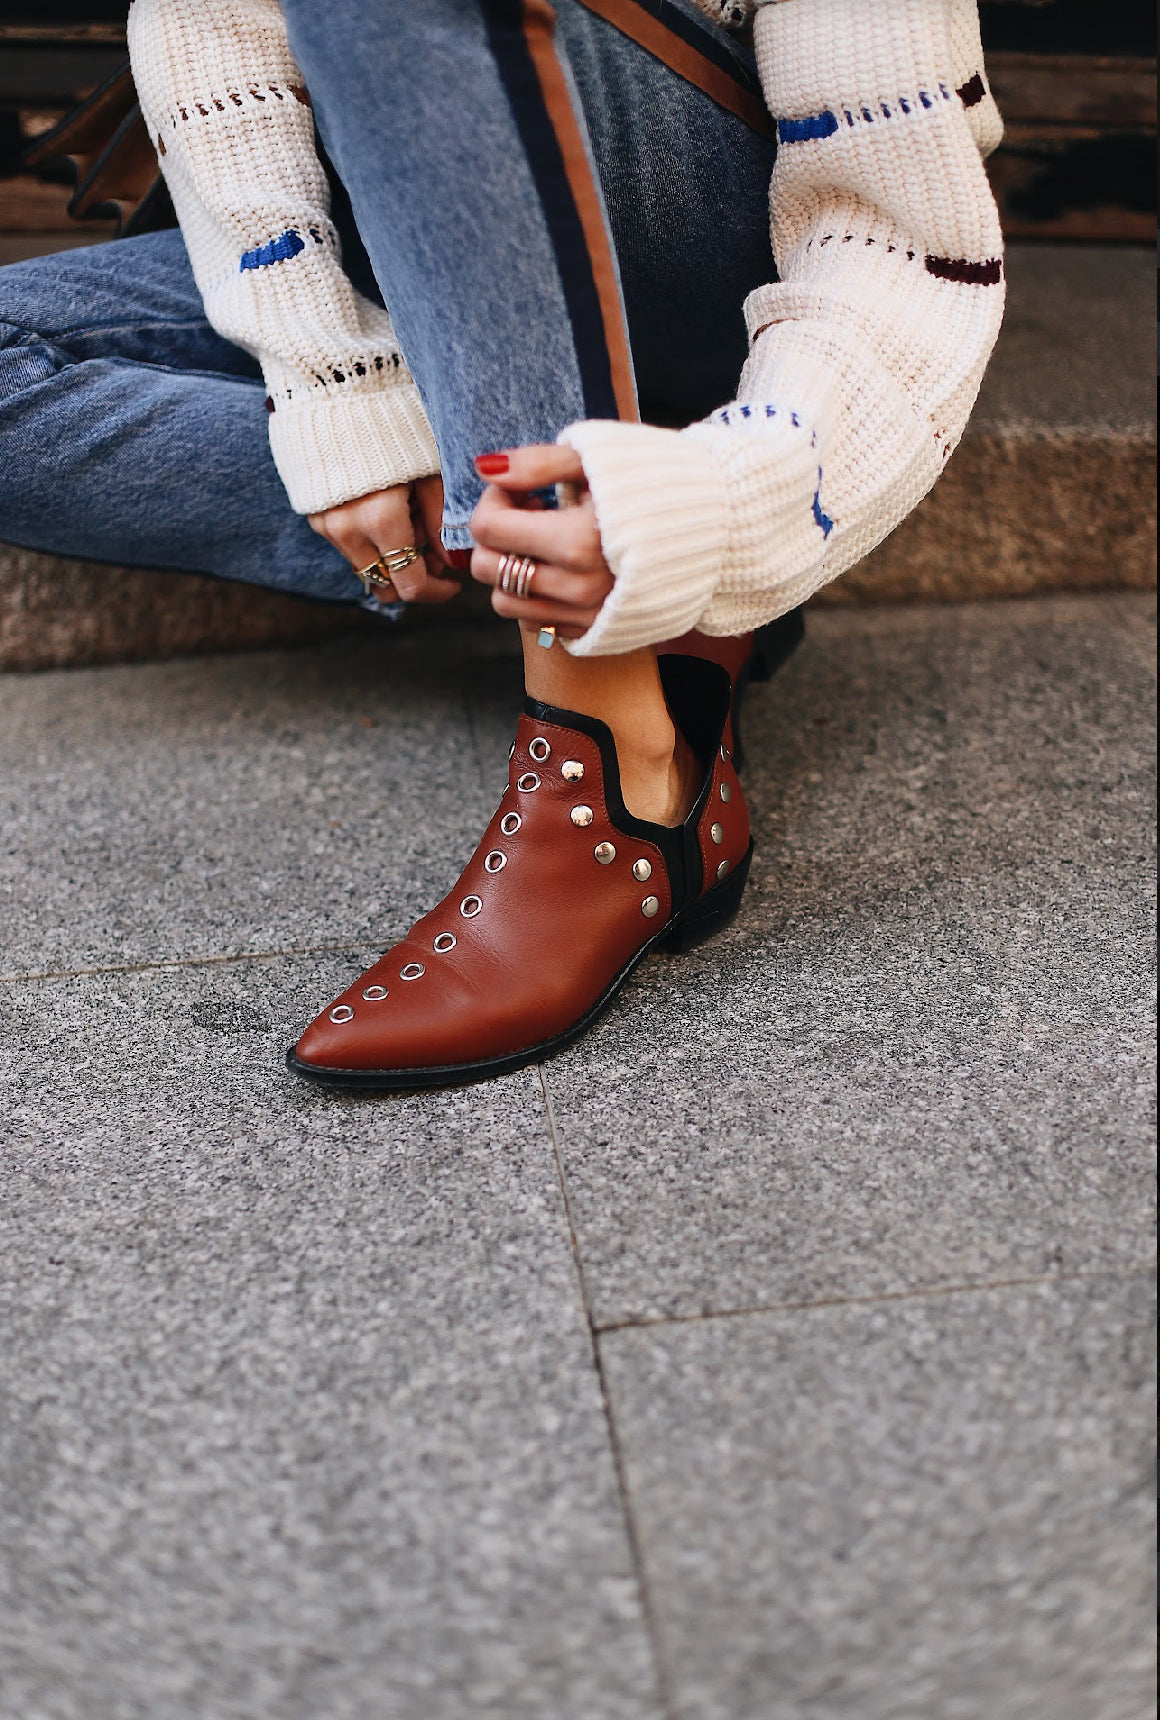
<point x="776" y="1354"/>
<point x="923" y="1053"/>
<point x="299" y="1418"/>
<point x="938" y="1509"/>
<point x="227" y="805"/>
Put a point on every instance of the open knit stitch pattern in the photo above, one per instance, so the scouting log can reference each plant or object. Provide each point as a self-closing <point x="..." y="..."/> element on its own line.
<point x="866" y="354"/>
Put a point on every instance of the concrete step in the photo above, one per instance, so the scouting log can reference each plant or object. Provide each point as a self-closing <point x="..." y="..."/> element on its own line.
<point x="1053" y="489"/>
<point x="1054" y="485"/>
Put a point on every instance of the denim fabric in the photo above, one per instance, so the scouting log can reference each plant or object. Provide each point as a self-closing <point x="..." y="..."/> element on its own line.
<point x="131" y="432"/>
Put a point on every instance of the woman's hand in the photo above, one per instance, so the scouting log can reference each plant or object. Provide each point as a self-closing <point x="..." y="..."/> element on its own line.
<point x="371" y="526"/>
<point x="572" y="578"/>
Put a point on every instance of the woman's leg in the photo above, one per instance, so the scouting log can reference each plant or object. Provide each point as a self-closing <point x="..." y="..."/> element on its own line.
<point x="493" y="245"/>
<point x="133" y="433"/>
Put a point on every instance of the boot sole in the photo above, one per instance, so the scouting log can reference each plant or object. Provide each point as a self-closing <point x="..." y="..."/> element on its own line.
<point x="708" y="916"/>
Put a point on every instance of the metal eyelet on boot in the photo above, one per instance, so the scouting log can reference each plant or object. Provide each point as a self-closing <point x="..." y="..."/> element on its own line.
<point x="539" y="750"/>
<point x="413" y="970"/>
<point x="528" y="783"/>
<point x="470" y="906"/>
<point x="444" y="942"/>
<point x="510" y="823"/>
<point x="495" y="861"/>
<point x="375" y="993"/>
<point x="341" y="1012"/>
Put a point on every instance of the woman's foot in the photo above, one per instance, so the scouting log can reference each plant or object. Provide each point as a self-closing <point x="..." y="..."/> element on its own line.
<point x="567" y="891"/>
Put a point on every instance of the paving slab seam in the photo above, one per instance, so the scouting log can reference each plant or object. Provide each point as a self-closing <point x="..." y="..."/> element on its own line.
<point x="665" y="1696"/>
<point x="188" y="961"/>
<point x="1144" y="1269"/>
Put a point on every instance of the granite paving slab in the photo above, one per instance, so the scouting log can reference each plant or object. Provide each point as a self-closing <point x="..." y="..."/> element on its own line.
<point x="923" y="1054"/>
<point x="932" y="1509"/>
<point x="235" y="804"/>
<point x="298" y="1411"/>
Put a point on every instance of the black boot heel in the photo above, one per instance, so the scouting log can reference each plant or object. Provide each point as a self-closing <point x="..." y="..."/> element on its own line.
<point x="773" y="644"/>
<point x="712" y="913"/>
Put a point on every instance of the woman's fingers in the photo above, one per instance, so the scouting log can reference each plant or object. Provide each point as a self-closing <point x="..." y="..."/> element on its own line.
<point x="549" y="584"/>
<point x="380" y="524"/>
<point x="428" y="511"/>
<point x="571" y="621"/>
<point x="531" y="468"/>
<point x="567" y="537"/>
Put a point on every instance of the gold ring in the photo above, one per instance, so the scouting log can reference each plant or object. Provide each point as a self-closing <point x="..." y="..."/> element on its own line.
<point x="382" y="570"/>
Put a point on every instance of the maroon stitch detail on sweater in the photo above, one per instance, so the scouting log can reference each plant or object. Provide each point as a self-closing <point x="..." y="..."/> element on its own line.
<point x="972" y="92"/>
<point x="985" y="274"/>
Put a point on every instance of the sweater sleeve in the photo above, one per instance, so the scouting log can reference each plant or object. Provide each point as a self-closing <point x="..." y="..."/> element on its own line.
<point x="865" y="357"/>
<point x="231" y="121"/>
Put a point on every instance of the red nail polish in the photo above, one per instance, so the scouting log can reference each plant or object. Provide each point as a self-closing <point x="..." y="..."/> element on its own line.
<point x="491" y="465"/>
<point x="460" y="559"/>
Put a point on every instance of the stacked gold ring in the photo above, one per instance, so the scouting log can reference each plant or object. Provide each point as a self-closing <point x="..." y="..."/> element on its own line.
<point x="515" y="574"/>
<point x="383" y="569"/>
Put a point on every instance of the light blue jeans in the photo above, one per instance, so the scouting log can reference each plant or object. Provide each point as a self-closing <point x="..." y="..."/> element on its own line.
<point x="468" y="151"/>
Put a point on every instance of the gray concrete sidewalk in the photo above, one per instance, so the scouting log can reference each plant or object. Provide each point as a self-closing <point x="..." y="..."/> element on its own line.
<point x="779" y="1353"/>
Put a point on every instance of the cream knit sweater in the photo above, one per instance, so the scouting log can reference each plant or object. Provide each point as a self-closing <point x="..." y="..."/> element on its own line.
<point x="865" y="357"/>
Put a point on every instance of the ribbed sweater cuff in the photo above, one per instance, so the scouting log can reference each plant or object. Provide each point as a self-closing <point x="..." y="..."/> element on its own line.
<point x="663" y="513"/>
<point x="331" y="451"/>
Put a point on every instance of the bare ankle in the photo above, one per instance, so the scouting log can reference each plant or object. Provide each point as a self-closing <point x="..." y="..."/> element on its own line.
<point x="657" y="766"/>
<point x="660" y="788"/>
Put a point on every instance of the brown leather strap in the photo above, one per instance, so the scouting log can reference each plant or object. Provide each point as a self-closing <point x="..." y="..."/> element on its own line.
<point x="643" y="26"/>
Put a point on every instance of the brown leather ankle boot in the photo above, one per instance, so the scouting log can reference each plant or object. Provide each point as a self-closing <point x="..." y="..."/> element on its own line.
<point x="565" y="894"/>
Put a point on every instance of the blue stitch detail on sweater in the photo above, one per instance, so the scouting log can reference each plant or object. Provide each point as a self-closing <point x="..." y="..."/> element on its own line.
<point x="823" y="519"/>
<point x="274" y="251"/>
<point x="815" y="125"/>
